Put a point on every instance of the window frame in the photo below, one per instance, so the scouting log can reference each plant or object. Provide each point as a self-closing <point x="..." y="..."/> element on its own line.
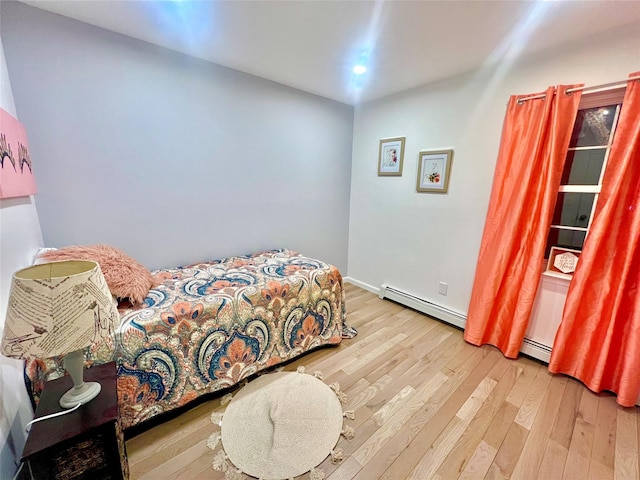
<point x="588" y="101"/>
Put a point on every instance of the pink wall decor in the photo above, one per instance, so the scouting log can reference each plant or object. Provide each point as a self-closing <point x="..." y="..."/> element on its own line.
<point x="16" y="169"/>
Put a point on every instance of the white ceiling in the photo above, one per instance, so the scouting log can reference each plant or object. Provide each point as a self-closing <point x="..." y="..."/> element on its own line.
<point x="312" y="45"/>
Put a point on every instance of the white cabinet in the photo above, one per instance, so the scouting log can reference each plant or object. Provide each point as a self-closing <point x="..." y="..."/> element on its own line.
<point x="545" y="316"/>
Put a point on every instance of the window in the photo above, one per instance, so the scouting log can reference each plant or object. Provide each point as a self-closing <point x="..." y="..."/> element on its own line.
<point x="584" y="168"/>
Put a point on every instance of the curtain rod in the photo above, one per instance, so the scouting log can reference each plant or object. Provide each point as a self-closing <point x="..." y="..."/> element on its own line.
<point x="602" y="87"/>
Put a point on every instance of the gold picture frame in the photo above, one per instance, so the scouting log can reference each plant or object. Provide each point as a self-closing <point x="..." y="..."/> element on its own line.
<point x="391" y="157"/>
<point x="434" y="170"/>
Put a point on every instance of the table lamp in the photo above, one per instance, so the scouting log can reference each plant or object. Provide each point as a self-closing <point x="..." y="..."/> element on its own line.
<point x="56" y="309"/>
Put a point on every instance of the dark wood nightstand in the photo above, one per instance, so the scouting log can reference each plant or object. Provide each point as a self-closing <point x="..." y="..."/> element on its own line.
<point x="85" y="444"/>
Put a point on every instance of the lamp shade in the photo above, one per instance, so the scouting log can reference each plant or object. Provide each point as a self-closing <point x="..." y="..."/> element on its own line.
<point x="57" y="308"/>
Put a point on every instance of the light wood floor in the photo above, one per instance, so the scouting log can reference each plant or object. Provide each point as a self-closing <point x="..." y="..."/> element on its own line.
<point x="429" y="405"/>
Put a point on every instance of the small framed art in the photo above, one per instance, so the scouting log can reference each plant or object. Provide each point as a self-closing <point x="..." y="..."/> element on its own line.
<point x="434" y="169"/>
<point x="390" y="157"/>
<point x="563" y="261"/>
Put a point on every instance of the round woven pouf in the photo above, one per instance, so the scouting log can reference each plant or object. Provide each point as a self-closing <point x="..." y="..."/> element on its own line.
<point x="281" y="425"/>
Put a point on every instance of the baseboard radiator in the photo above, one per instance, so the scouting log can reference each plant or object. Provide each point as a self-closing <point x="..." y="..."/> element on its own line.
<point x="457" y="319"/>
<point x="536" y="349"/>
<point x="445" y="314"/>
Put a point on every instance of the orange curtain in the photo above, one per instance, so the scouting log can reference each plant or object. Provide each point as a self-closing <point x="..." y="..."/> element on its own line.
<point x="535" y="137"/>
<point x="598" y="340"/>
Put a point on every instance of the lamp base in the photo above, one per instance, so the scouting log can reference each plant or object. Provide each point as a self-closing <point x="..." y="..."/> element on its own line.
<point x="82" y="394"/>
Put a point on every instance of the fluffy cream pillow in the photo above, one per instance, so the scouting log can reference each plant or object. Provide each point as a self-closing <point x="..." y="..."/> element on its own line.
<point x="125" y="277"/>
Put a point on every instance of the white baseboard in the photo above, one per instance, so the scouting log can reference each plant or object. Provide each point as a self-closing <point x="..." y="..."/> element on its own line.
<point x="363" y="285"/>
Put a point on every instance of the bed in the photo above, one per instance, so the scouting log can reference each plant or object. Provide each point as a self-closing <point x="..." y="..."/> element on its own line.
<point x="205" y="327"/>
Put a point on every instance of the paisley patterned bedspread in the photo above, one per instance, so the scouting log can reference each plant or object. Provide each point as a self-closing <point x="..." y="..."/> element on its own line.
<point x="210" y="325"/>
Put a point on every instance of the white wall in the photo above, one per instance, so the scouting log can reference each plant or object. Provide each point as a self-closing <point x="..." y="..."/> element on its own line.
<point x="20" y="238"/>
<point x="415" y="240"/>
<point x="173" y="159"/>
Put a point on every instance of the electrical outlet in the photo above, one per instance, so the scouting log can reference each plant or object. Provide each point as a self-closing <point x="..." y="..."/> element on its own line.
<point x="442" y="288"/>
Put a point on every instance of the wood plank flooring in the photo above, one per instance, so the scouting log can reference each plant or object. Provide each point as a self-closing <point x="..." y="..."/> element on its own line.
<point x="429" y="405"/>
